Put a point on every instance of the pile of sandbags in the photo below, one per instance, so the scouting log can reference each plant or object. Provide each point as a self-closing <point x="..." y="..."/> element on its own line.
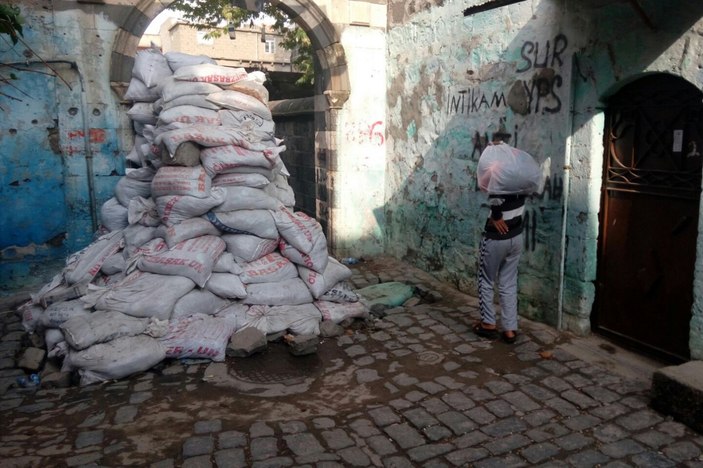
<point x="200" y="239"/>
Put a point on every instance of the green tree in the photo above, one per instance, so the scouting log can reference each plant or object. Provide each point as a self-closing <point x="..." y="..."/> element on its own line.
<point x="215" y="16"/>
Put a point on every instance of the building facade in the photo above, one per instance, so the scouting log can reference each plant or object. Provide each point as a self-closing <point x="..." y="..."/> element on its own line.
<point x="407" y="95"/>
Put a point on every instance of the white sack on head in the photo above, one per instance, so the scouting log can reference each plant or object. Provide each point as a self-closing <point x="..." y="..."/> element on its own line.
<point x="178" y="180"/>
<point x="257" y="222"/>
<point x="233" y="179"/>
<point x="240" y="101"/>
<point x="301" y="319"/>
<point x="503" y="170"/>
<point x="192" y="258"/>
<point x="113" y="215"/>
<point x="287" y="292"/>
<point x="198" y="301"/>
<point x="115" y="359"/>
<point x="142" y="294"/>
<point x="173" y="209"/>
<point x="82" y="266"/>
<point x="298" y="229"/>
<point x="150" y="66"/>
<point x="210" y="73"/>
<point x="176" y="89"/>
<point x="198" y="336"/>
<point x="320" y="283"/>
<point x="101" y="326"/>
<point x="226" y="285"/>
<point x="270" y="268"/>
<point x="177" y="60"/>
<point x="248" y="247"/>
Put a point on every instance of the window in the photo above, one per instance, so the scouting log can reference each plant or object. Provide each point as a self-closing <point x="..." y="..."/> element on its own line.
<point x="201" y="39"/>
<point x="270" y="46"/>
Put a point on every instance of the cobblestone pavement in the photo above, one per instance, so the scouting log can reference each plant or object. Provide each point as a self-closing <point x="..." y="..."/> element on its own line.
<point x="415" y="388"/>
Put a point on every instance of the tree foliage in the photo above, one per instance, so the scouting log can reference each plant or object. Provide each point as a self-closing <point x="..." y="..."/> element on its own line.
<point x="215" y="16"/>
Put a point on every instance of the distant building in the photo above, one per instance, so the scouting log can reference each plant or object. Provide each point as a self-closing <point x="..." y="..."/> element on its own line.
<point x="254" y="48"/>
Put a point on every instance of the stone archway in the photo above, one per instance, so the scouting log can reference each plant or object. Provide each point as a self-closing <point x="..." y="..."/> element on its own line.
<point x="332" y="82"/>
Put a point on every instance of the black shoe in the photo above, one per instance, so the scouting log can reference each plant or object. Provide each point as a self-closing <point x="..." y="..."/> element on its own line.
<point x="490" y="333"/>
<point x="509" y="339"/>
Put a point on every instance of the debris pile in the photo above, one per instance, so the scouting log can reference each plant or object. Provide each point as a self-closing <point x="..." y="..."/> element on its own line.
<point x="200" y="243"/>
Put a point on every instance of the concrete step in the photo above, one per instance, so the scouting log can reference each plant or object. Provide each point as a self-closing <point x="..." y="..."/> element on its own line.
<point x="677" y="391"/>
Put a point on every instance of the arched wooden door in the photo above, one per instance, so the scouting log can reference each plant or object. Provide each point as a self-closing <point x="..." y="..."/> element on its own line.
<point x="649" y="215"/>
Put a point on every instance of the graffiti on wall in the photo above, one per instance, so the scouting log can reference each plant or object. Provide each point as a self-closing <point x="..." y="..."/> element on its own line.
<point x="537" y="94"/>
<point x="365" y="133"/>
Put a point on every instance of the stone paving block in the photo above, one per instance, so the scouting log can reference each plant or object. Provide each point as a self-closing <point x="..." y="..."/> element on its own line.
<point x="562" y="406"/>
<point x="231" y="458"/>
<point x="546" y="432"/>
<point x="639" y="420"/>
<point x="500" y="408"/>
<point x="480" y="415"/>
<point x="574" y="441"/>
<point x="587" y="458"/>
<point x="425" y="452"/>
<point x="622" y="448"/>
<point x="539" y="417"/>
<point x="610" y="411"/>
<point x="609" y="433"/>
<point x="381" y="445"/>
<point x="88" y="438"/>
<point x="400" y="404"/>
<point x="435" y="433"/>
<point x="466" y="457"/>
<point x="303" y="444"/>
<point x="504" y="427"/>
<point x="478" y="394"/>
<point x="682" y="451"/>
<point x="231" y="439"/>
<point x="337" y="439"/>
<point x="508" y="443"/>
<point x="581" y="422"/>
<point x="364" y="428"/>
<point x="354" y="456"/>
<point x="431" y="387"/>
<point x="398" y="462"/>
<point x="263" y="447"/>
<point x="84" y="459"/>
<point x="537" y="453"/>
<point x="471" y="439"/>
<point x="420" y="418"/>
<point x="498" y="387"/>
<point x="435" y="406"/>
<point x="650" y="458"/>
<point x="383" y="416"/>
<point x="404" y="435"/>
<point x="260" y="429"/>
<point x="323" y="423"/>
<point x="273" y="462"/>
<point x="458" y="400"/>
<point x="201" y="461"/>
<point x="292" y="427"/>
<point x="206" y="427"/>
<point x="197" y="445"/>
<point x="556" y="383"/>
<point x="457" y="422"/>
<point x="653" y="438"/>
<point x="578" y="398"/>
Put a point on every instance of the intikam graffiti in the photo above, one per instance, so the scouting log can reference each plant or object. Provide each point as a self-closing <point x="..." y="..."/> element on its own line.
<point x="474" y="100"/>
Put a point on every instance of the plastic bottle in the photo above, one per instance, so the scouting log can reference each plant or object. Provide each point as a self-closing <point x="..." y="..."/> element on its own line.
<point x="35" y="379"/>
<point x="350" y="261"/>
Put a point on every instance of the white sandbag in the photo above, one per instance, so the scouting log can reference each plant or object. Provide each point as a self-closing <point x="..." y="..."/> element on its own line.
<point x="83" y="265"/>
<point x="270" y="268"/>
<point x="232" y="179"/>
<point x="58" y="312"/>
<point x="30" y="314"/>
<point x="187" y="229"/>
<point x="316" y="260"/>
<point x="189" y="115"/>
<point x="257" y="222"/>
<point x="252" y="88"/>
<point x="247" y="247"/>
<point x="137" y="91"/>
<point x="198" y="301"/>
<point x="136" y="183"/>
<point x="227" y="264"/>
<point x="341" y="292"/>
<point x="301" y="319"/>
<point x="134" y="158"/>
<point x="247" y="198"/>
<point x="142" y="294"/>
<point x="198" y="100"/>
<point x="210" y="73"/>
<point x="143" y="211"/>
<point x="115" y="359"/>
<point x="320" y="283"/>
<point x="257" y="76"/>
<point x="113" y="215"/>
<point x="288" y="292"/>
<point x="229" y="99"/>
<point x="298" y="229"/>
<point x="150" y="66"/>
<point x="281" y="191"/>
<point x="503" y="169"/>
<point x="337" y="312"/>
<point x="142" y="112"/>
<point x="177" y="180"/>
<point x="246" y="120"/>
<point x="192" y="258"/>
<point x="226" y="285"/>
<point x="222" y="159"/>
<point x="136" y="236"/>
<point x="177" y="60"/>
<point x="99" y="327"/>
<point x="208" y="136"/>
<point x="173" y="209"/>
<point x="113" y="264"/>
<point x="56" y="345"/>
<point x="198" y="336"/>
<point x="234" y="314"/>
<point x="176" y="89"/>
<point x="57" y="290"/>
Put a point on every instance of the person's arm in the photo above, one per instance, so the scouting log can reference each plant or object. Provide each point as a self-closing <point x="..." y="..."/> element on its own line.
<point x="496" y="218"/>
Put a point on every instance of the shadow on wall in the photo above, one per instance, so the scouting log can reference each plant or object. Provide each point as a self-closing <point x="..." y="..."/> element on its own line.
<point x="435" y="215"/>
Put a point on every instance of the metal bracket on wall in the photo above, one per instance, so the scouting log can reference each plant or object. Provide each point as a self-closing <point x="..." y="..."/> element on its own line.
<point x="489" y="5"/>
